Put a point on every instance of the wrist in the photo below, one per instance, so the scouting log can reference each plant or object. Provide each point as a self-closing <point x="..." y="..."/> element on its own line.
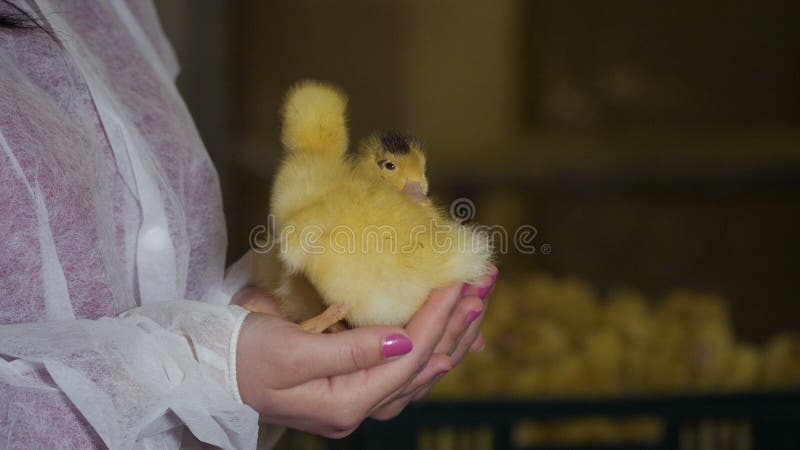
<point x="233" y="352"/>
<point x="247" y="370"/>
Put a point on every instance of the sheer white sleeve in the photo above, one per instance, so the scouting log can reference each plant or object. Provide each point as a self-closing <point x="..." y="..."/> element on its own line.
<point x="114" y="324"/>
<point x="130" y="381"/>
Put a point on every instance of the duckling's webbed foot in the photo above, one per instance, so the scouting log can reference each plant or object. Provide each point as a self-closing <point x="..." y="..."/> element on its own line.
<point x="337" y="327"/>
<point x="327" y="319"/>
<point x="256" y="309"/>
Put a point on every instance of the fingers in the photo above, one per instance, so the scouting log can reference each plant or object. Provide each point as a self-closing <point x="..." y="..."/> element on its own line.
<point x="325" y="355"/>
<point x="470" y="308"/>
<point x="341" y="403"/>
<point x="268" y="344"/>
<point x="471" y="340"/>
<point x="459" y="333"/>
<point x="313" y="356"/>
<point x="311" y="407"/>
<point x="256" y="300"/>
<point x="437" y="366"/>
<point x="479" y="344"/>
<point x="467" y="311"/>
<point x="423" y="391"/>
<point x="429" y="324"/>
<point x="425" y="329"/>
<point x="483" y="285"/>
<point x="463" y="333"/>
<point x="466" y="341"/>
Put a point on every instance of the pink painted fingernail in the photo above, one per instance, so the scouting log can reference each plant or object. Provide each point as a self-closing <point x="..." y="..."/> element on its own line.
<point x="472" y="316"/>
<point x="494" y="276"/>
<point x="442" y="372"/>
<point x="396" y="345"/>
<point x="484" y="291"/>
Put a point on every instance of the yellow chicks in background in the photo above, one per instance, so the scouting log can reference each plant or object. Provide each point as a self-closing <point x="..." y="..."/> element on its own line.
<point x="555" y="337"/>
<point x="692" y="344"/>
<point x="628" y="314"/>
<point x="359" y="226"/>
<point x="782" y="361"/>
<point x="744" y="369"/>
<point x="550" y="337"/>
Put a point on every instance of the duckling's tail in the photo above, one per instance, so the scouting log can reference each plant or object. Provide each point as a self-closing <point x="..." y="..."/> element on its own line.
<point x="314" y="119"/>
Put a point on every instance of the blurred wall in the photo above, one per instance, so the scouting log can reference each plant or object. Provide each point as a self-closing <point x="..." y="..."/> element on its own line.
<point x="434" y="68"/>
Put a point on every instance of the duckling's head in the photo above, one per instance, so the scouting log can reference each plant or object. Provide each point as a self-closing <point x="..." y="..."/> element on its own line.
<point x="396" y="159"/>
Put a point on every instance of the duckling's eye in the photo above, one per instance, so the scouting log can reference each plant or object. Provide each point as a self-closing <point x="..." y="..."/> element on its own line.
<point x="389" y="165"/>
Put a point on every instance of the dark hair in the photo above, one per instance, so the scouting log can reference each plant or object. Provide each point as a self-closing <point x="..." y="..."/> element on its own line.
<point x="19" y="19"/>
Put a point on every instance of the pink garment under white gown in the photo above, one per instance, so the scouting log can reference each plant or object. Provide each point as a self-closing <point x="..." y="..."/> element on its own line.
<point x="114" y="324"/>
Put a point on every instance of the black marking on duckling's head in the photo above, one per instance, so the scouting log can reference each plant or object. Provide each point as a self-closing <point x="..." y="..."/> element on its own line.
<point x="396" y="143"/>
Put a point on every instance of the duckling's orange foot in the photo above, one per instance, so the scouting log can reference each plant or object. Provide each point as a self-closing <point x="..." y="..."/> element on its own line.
<point x="337" y="327"/>
<point x="320" y="323"/>
<point x="253" y="308"/>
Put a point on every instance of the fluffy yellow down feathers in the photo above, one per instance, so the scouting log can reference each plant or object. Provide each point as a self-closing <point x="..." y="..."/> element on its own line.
<point x="367" y="246"/>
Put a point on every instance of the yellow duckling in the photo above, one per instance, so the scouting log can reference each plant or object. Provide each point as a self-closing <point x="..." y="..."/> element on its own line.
<point x="372" y="251"/>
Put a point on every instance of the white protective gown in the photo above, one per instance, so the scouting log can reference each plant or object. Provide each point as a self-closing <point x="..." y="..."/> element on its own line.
<point x="115" y="328"/>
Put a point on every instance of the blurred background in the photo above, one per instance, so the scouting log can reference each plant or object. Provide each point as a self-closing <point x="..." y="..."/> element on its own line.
<point x="654" y="146"/>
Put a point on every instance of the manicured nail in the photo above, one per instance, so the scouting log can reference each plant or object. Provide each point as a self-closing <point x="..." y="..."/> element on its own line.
<point x="441" y="372"/>
<point x="396" y="345"/>
<point x="484" y="291"/>
<point x="494" y="276"/>
<point x="472" y="316"/>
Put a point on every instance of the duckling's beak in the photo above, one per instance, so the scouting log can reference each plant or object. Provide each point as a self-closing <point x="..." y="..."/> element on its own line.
<point x="414" y="190"/>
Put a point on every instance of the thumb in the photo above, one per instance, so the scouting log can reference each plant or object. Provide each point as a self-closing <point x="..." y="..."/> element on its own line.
<point x="353" y="350"/>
